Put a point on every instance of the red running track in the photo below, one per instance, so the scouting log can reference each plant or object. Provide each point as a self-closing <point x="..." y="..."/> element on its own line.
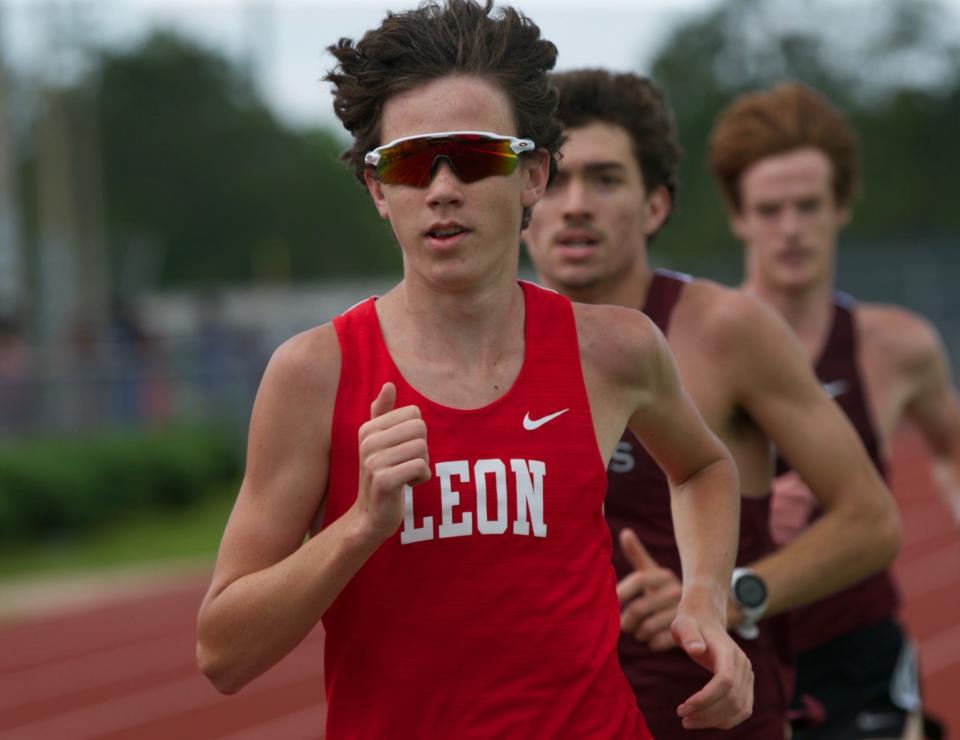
<point x="124" y="668"/>
<point x="928" y="574"/>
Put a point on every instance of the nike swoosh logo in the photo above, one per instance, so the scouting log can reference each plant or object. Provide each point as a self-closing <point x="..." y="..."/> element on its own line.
<point x="873" y="721"/>
<point x="836" y="388"/>
<point x="531" y="424"/>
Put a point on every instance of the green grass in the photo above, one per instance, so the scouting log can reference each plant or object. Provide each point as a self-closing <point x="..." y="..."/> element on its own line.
<point x="188" y="534"/>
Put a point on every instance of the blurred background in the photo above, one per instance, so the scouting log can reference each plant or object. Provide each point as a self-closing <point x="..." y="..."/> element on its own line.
<point x="172" y="208"/>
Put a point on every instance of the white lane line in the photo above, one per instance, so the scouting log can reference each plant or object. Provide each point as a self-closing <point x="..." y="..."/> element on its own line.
<point x="132" y="710"/>
<point x="307" y="724"/>
<point x="62" y="678"/>
<point x="929" y="572"/>
<point x="923" y="522"/>
<point x="940" y="652"/>
<point x="122" y="713"/>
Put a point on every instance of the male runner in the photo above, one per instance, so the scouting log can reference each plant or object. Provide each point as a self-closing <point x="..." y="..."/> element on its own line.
<point x="443" y="447"/>
<point x="786" y="162"/>
<point x="615" y="188"/>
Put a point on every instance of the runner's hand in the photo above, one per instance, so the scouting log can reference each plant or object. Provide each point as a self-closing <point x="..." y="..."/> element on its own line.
<point x="792" y="503"/>
<point x="648" y="597"/>
<point x="727" y="698"/>
<point x="393" y="453"/>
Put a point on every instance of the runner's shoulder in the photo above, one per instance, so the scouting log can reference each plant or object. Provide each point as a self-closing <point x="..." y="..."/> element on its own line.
<point x="899" y="335"/>
<point x="727" y="317"/>
<point x="619" y="341"/>
<point x="306" y="365"/>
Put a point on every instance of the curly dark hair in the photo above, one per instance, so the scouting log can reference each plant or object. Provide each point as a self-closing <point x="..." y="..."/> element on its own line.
<point x="787" y="117"/>
<point x="435" y="40"/>
<point x="634" y="103"/>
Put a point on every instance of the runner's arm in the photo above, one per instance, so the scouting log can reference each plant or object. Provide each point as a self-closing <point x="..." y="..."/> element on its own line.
<point x="270" y="587"/>
<point x="705" y="503"/>
<point x="859" y="531"/>
<point x="934" y="407"/>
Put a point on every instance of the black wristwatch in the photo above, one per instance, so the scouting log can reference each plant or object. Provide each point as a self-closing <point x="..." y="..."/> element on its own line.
<point x="749" y="593"/>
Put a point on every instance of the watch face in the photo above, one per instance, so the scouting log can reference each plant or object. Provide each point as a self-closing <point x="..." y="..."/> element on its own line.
<point x="750" y="591"/>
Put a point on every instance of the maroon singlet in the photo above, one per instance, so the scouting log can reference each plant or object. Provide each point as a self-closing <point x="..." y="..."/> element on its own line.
<point x="875" y="598"/>
<point x="492" y="612"/>
<point x="638" y="497"/>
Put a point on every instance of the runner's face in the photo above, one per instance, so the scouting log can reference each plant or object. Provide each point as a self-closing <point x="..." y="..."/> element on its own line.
<point x="789" y="220"/>
<point x="451" y="232"/>
<point x="594" y="220"/>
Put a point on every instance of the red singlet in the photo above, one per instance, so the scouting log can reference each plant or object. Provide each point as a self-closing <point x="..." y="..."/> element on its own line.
<point x="492" y="611"/>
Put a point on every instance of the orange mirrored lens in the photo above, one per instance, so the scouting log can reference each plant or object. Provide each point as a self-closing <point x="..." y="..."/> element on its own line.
<point x="414" y="162"/>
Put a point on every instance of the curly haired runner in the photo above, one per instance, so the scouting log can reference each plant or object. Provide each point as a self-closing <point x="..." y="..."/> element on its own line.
<point x="786" y="162"/>
<point x="443" y="447"/>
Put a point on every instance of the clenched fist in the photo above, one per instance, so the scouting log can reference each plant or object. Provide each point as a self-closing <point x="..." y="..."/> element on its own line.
<point x="393" y="454"/>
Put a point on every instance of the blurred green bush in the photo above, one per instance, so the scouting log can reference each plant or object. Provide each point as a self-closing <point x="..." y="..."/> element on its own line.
<point x="53" y="487"/>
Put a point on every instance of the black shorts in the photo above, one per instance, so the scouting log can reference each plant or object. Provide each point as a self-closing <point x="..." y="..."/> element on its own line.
<point x="861" y="685"/>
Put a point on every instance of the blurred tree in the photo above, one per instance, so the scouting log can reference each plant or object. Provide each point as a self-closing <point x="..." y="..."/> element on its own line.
<point x="200" y="175"/>
<point x="893" y="67"/>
